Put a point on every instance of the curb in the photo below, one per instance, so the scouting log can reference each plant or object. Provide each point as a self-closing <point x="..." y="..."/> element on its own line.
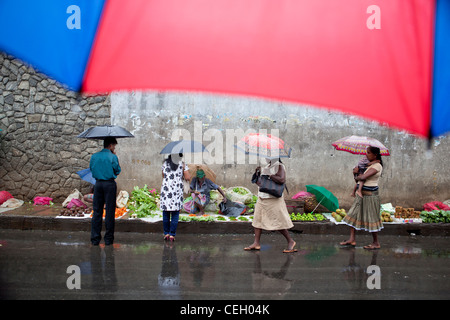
<point x="136" y="225"/>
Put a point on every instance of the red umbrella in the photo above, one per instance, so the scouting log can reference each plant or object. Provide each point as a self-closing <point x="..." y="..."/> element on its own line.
<point x="373" y="58"/>
<point x="267" y="146"/>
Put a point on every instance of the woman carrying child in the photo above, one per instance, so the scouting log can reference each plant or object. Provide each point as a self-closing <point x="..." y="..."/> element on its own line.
<point x="365" y="211"/>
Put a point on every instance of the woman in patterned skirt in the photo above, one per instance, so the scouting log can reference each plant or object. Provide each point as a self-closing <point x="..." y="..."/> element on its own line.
<point x="365" y="211"/>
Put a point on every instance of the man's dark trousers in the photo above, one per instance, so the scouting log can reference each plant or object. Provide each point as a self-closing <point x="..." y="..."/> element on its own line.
<point x="104" y="194"/>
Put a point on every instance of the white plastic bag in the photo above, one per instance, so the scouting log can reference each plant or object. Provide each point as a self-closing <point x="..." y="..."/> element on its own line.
<point x="12" y="203"/>
<point x="74" y="195"/>
<point x="122" y="199"/>
<point x="239" y="194"/>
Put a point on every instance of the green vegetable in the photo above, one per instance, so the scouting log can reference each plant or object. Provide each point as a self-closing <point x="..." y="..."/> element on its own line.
<point x="252" y="203"/>
<point x="184" y="218"/>
<point x="202" y="218"/>
<point x="307" y="217"/>
<point x="143" y="201"/>
<point x="240" y="191"/>
<point x="435" y="216"/>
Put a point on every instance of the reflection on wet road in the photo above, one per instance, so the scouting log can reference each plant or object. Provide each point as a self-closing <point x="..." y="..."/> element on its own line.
<point x="34" y="265"/>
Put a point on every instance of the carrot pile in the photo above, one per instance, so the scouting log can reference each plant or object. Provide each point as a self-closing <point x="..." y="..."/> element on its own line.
<point x="119" y="212"/>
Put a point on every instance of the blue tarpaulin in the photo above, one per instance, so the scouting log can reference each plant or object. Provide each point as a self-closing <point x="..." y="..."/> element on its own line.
<point x="55" y="37"/>
<point x="440" y="116"/>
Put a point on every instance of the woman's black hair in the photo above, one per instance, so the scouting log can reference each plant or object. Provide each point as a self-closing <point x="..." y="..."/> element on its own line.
<point x="376" y="151"/>
<point x="173" y="166"/>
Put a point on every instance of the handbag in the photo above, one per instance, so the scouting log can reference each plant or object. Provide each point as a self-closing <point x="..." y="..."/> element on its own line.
<point x="269" y="186"/>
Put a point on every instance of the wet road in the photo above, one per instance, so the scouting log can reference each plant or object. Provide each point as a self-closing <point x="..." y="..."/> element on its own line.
<point x="34" y="265"/>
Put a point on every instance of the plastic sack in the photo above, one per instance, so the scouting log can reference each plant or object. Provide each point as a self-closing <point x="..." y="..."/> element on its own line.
<point x="310" y="201"/>
<point x="5" y="195"/>
<point x="387" y="207"/>
<point x="122" y="199"/>
<point x="302" y="194"/>
<point x="212" y="207"/>
<point x="239" y="194"/>
<point x="76" y="203"/>
<point x="435" y="205"/>
<point x="12" y="203"/>
<point x="43" y="201"/>
<point x="232" y="209"/>
<point x="75" y="194"/>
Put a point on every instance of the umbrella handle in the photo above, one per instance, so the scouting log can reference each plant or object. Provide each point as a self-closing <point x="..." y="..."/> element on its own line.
<point x="318" y="205"/>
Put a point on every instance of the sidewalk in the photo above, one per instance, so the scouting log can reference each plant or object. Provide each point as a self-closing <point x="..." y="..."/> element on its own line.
<point x="29" y="217"/>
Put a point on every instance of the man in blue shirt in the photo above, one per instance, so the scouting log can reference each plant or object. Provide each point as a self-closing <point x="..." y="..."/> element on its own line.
<point x="105" y="167"/>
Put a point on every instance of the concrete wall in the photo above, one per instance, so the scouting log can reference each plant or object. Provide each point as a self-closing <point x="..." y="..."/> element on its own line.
<point x="413" y="174"/>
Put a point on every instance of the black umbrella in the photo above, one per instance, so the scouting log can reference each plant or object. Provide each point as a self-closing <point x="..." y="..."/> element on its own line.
<point x="102" y="132"/>
<point x="183" y="146"/>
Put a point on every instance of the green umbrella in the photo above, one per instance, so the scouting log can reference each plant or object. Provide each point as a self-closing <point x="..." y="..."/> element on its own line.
<point x="324" y="197"/>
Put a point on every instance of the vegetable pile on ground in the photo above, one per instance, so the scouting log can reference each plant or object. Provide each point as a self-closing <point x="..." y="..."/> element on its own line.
<point x="193" y="217"/>
<point x="211" y="218"/>
<point x="307" y="217"/>
<point x="435" y="216"/>
<point x="117" y="214"/>
<point x="143" y="201"/>
<point x="339" y="214"/>
<point x="239" y="194"/>
<point x="74" y="212"/>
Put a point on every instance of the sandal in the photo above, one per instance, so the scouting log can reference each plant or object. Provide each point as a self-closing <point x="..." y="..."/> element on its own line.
<point x="347" y="244"/>
<point x="292" y="250"/>
<point x="371" y="247"/>
<point x="172" y="238"/>
<point x="166" y="237"/>
<point x="252" y="248"/>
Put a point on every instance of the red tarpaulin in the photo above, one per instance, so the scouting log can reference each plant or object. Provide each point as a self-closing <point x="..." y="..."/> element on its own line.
<point x="367" y="57"/>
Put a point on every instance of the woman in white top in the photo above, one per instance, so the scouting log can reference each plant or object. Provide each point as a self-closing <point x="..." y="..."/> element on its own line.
<point x="271" y="212"/>
<point x="365" y="211"/>
<point x="171" y="199"/>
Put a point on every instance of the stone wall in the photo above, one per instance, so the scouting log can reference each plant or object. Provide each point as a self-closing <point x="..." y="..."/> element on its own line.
<point x="39" y="119"/>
